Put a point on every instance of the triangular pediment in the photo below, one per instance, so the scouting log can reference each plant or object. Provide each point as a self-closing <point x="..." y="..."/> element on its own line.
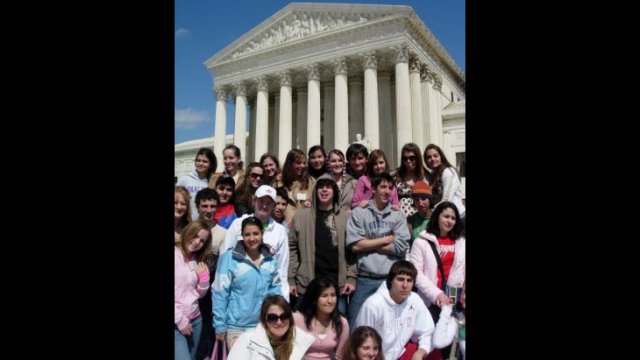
<point x="298" y="21"/>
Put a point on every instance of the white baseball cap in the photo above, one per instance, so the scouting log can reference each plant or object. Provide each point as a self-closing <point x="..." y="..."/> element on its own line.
<point x="266" y="190"/>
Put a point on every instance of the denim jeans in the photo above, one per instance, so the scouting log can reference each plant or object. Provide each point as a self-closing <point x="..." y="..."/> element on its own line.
<point x="365" y="287"/>
<point x="186" y="347"/>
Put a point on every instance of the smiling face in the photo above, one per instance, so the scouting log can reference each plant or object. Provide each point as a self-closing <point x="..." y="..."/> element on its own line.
<point x="230" y="161"/>
<point x="446" y="221"/>
<point x="325" y="195"/>
<point x="252" y="238"/>
<point x="281" y="207"/>
<point x="202" y="165"/>
<point x="224" y="193"/>
<point x="379" y="166"/>
<point x="369" y="349"/>
<point x="179" y="206"/>
<point x="197" y="242"/>
<point x="336" y="164"/>
<point x="357" y="163"/>
<point x="327" y="300"/>
<point x="432" y="158"/>
<point x="207" y="210"/>
<point x="277" y="328"/>
<point x="270" y="168"/>
<point x="299" y="165"/>
<point x="256" y="174"/>
<point x="316" y="160"/>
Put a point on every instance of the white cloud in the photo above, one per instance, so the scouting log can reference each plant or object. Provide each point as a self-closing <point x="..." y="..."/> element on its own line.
<point x="182" y="33"/>
<point x="189" y="118"/>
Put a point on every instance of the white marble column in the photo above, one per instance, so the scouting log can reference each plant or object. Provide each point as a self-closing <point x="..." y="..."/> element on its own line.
<point x="424" y="86"/>
<point x="313" y="107"/>
<point x="251" y="142"/>
<point x="284" y="139"/>
<point x="301" y="120"/>
<point x="341" y="130"/>
<point x="221" y="123"/>
<point x="437" y="86"/>
<point x="356" y="107"/>
<point x="371" y="118"/>
<point x="416" y="103"/>
<point x="262" y="118"/>
<point x="240" y="121"/>
<point x="276" y="125"/>
<point x="403" y="98"/>
<point x="387" y="141"/>
<point x="434" y="137"/>
<point x="329" y="118"/>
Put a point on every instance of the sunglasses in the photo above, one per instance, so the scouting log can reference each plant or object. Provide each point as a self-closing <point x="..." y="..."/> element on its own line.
<point x="273" y="318"/>
<point x="410" y="158"/>
<point x="255" y="175"/>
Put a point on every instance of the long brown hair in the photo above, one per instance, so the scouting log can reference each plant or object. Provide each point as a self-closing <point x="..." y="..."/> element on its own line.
<point x="436" y="175"/>
<point x="357" y="338"/>
<point x="189" y="233"/>
<point x="282" y="348"/>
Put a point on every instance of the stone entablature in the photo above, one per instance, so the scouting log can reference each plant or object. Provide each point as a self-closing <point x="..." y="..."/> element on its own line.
<point x="286" y="42"/>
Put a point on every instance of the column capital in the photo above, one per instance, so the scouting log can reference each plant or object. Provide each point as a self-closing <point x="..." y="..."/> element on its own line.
<point x="340" y="66"/>
<point x="424" y="72"/>
<point x="414" y="64"/>
<point x="437" y="81"/>
<point x="369" y="60"/>
<point x="241" y="89"/>
<point x="221" y="93"/>
<point x="285" y="78"/>
<point x="401" y="53"/>
<point x="313" y="73"/>
<point x="263" y="84"/>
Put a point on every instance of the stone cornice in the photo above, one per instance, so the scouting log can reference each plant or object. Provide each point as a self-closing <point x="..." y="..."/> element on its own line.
<point x="394" y="26"/>
<point x="303" y="21"/>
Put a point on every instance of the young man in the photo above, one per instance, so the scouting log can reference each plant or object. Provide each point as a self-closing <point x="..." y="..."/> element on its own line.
<point x="275" y="235"/>
<point x="317" y="243"/>
<point x="399" y="315"/>
<point x="207" y="202"/>
<point x="421" y="195"/>
<point x="379" y="236"/>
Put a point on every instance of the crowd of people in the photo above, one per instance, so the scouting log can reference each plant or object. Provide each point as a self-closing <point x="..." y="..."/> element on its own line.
<point x="327" y="257"/>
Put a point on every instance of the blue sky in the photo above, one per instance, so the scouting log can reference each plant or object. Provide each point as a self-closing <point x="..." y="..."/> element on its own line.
<point x="204" y="27"/>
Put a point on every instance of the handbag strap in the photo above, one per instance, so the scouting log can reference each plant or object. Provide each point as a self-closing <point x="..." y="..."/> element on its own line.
<point x="214" y="353"/>
<point x="440" y="267"/>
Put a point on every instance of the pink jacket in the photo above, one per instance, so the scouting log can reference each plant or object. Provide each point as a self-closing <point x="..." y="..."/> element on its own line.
<point x="187" y="290"/>
<point x="425" y="261"/>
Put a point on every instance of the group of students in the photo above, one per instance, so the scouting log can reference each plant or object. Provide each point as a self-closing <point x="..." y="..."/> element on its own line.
<point x="347" y="244"/>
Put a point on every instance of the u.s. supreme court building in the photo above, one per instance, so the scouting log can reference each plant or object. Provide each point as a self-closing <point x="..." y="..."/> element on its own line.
<point x="323" y="73"/>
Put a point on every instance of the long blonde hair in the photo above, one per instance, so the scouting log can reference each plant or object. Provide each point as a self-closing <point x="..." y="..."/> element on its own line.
<point x="282" y="348"/>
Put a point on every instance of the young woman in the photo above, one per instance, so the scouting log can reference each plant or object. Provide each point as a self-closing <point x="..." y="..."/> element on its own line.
<point x="297" y="181"/>
<point x="246" y="274"/>
<point x="439" y="256"/>
<point x="232" y="166"/>
<point x="317" y="159"/>
<point x="444" y="179"/>
<point x="244" y="195"/>
<point x="377" y="164"/>
<point x="181" y="211"/>
<point x="275" y="337"/>
<point x="318" y="315"/>
<point x="199" y="178"/>
<point x="191" y="283"/>
<point x="272" y="171"/>
<point x="363" y="344"/>
<point x="346" y="183"/>
<point x="410" y="171"/>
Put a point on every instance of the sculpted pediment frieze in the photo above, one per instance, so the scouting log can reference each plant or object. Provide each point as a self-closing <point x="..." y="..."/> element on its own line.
<point x="298" y="25"/>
